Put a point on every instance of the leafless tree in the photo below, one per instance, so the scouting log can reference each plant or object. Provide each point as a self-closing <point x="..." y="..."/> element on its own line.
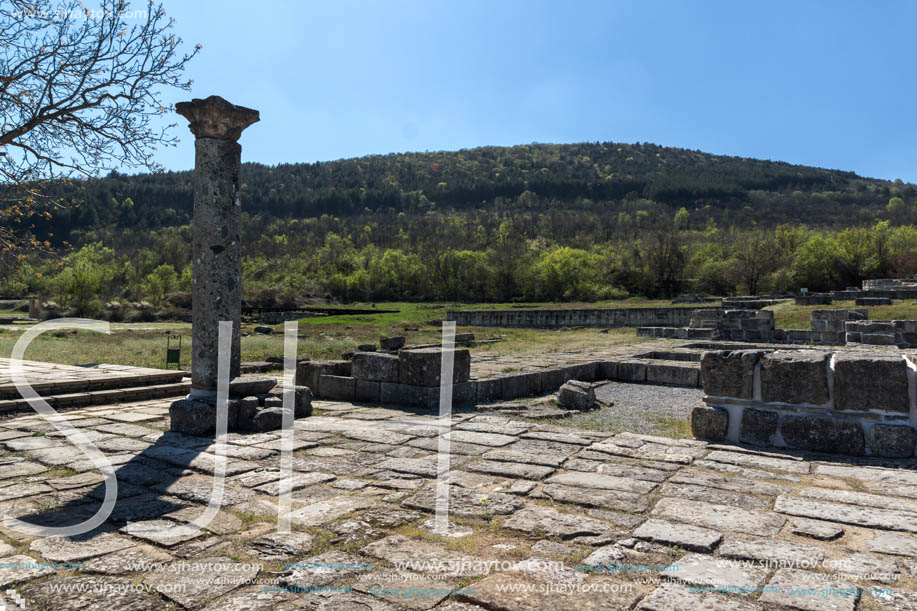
<point x="79" y="91"/>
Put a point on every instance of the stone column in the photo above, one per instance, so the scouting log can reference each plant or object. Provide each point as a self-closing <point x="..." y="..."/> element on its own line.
<point x="216" y="248"/>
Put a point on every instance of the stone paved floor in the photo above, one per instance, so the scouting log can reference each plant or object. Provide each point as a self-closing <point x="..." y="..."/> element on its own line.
<point x="765" y="525"/>
<point x="49" y="375"/>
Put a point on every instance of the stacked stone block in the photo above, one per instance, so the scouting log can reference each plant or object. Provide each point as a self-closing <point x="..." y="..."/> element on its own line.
<point x="814" y="299"/>
<point x="873" y="301"/>
<point x="736" y="325"/>
<point x="854" y="403"/>
<point x="900" y="333"/>
<point x="829" y="326"/>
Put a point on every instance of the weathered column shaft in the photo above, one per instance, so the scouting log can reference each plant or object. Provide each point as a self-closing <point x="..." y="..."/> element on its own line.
<point x="216" y="247"/>
<point x="217" y="257"/>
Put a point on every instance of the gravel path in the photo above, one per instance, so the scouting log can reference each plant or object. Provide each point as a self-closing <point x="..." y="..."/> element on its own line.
<point x="640" y="408"/>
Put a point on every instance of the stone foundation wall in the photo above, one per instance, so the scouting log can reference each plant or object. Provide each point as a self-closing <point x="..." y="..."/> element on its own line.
<point x="900" y="333"/>
<point x="554" y="319"/>
<point x="737" y="325"/>
<point x="856" y="403"/>
<point x="814" y="299"/>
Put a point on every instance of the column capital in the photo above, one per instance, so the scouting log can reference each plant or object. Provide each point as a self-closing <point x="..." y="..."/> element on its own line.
<point x="214" y="117"/>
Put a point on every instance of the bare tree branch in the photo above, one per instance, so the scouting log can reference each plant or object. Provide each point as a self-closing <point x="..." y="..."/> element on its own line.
<point x="79" y="92"/>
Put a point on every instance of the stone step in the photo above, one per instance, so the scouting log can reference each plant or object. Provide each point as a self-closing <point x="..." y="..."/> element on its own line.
<point x="8" y="391"/>
<point x="97" y="397"/>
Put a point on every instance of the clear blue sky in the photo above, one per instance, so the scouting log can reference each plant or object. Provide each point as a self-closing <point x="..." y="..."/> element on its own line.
<point x="829" y="84"/>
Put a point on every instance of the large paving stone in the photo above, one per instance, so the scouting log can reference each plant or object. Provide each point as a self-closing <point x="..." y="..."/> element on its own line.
<point x="299" y="480"/>
<point x="729" y="374"/>
<point x="19" y="568"/>
<point x="398" y="548"/>
<point x="552" y="523"/>
<point x="865" y="381"/>
<point x="714" y="495"/>
<point x="484" y="439"/>
<point x="677" y="597"/>
<point x="282" y="546"/>
<point x="847" y="514"/>
<point x="509" y="455"/>
<point x="126" y="560"/>
<point x="896" y="544"/>
<point x="424" y="467"/>
<point x="691" y="538"/>
<point x="321" y="570"/>
<point x="703" y="570"/>
<point x="597" y="497"/>
<point x="161" y="532"/>
<point x="217" y="576"/>
<point x="719" y="517"/>
<point x="89" y="593"/>
<point x="611" y="594"/>
<point x="816" y="529"/>
<point x="510" y="469"/>
<point x="844" y="597"/>
<point x="464" y="502"/>
<point x="735" y="484"/>
<point x="818" y="434"/>
<point x="80" y="547"/>
<point x="795" y="376"/>
<point x="772" y="552"/>
<point x="423" y="366"/>
<point x="597" y="480"/>
<point x="329" y="509"/>
<point x="744" y="471"/>
<point x="759" y="461"/>
<point x="859" y="498"/>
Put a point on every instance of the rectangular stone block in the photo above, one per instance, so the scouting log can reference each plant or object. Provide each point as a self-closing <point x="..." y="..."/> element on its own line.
<point x="677" y="375"/>
<point x="489" y="390"/>
<point x="400" y="394"/>
<point x="795" y="376"/>
<point x="521" y="385"/>
<point x="309" y="372"/>
<point x="552" y="379"/>
<point x="336" y="388"/>
<point x="866" y="382"/>
<point x="585" y="372"/>
<point x="853" y="337"/>
<point x="463" y="393"/>
<point x="608" y="370"/>
<point x="632" y="371"/>
<point x="375" y="366"/>
<point x="817" y="434"/>
<point x="368" y="391"/>
<point x="819" y="325"/>
<point x="729" y="374"/>
<point x="423" y="366"/>
<point x="879" y="339"/>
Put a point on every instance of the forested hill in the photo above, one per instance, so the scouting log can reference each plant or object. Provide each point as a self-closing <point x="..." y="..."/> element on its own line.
<point x="600" y="177"/>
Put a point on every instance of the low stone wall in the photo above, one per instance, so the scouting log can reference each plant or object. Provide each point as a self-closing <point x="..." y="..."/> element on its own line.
<point x="872" y="301"/>
<point x="754" y="302"/>
<point x="855" y="403"/>
<point x="900" y="333"/>
<point x="814" y="299"/>
<point x="736" y="325"/>
<point x="851" y="295"/>
<point x="555" y="319"/>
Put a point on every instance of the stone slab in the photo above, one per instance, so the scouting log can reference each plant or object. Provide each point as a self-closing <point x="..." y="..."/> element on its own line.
<point x="719" y="517"/>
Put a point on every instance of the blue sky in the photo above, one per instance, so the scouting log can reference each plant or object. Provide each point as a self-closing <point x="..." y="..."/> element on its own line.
<point x="829" y="84"/>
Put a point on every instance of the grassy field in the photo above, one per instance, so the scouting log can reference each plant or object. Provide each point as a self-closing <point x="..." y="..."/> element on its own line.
<point x="790" y="316"/>
<point x="326" y="337"/>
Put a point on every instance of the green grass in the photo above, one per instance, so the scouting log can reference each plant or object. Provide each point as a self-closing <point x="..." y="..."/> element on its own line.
<point x="791" y="316"/>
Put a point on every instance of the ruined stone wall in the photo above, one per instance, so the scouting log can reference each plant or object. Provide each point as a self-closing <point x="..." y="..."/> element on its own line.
<point x="736" y="325"/>
<point x="554" y="319"/>
<point x="901" y="333"/>
<point x="856" y="403"/>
